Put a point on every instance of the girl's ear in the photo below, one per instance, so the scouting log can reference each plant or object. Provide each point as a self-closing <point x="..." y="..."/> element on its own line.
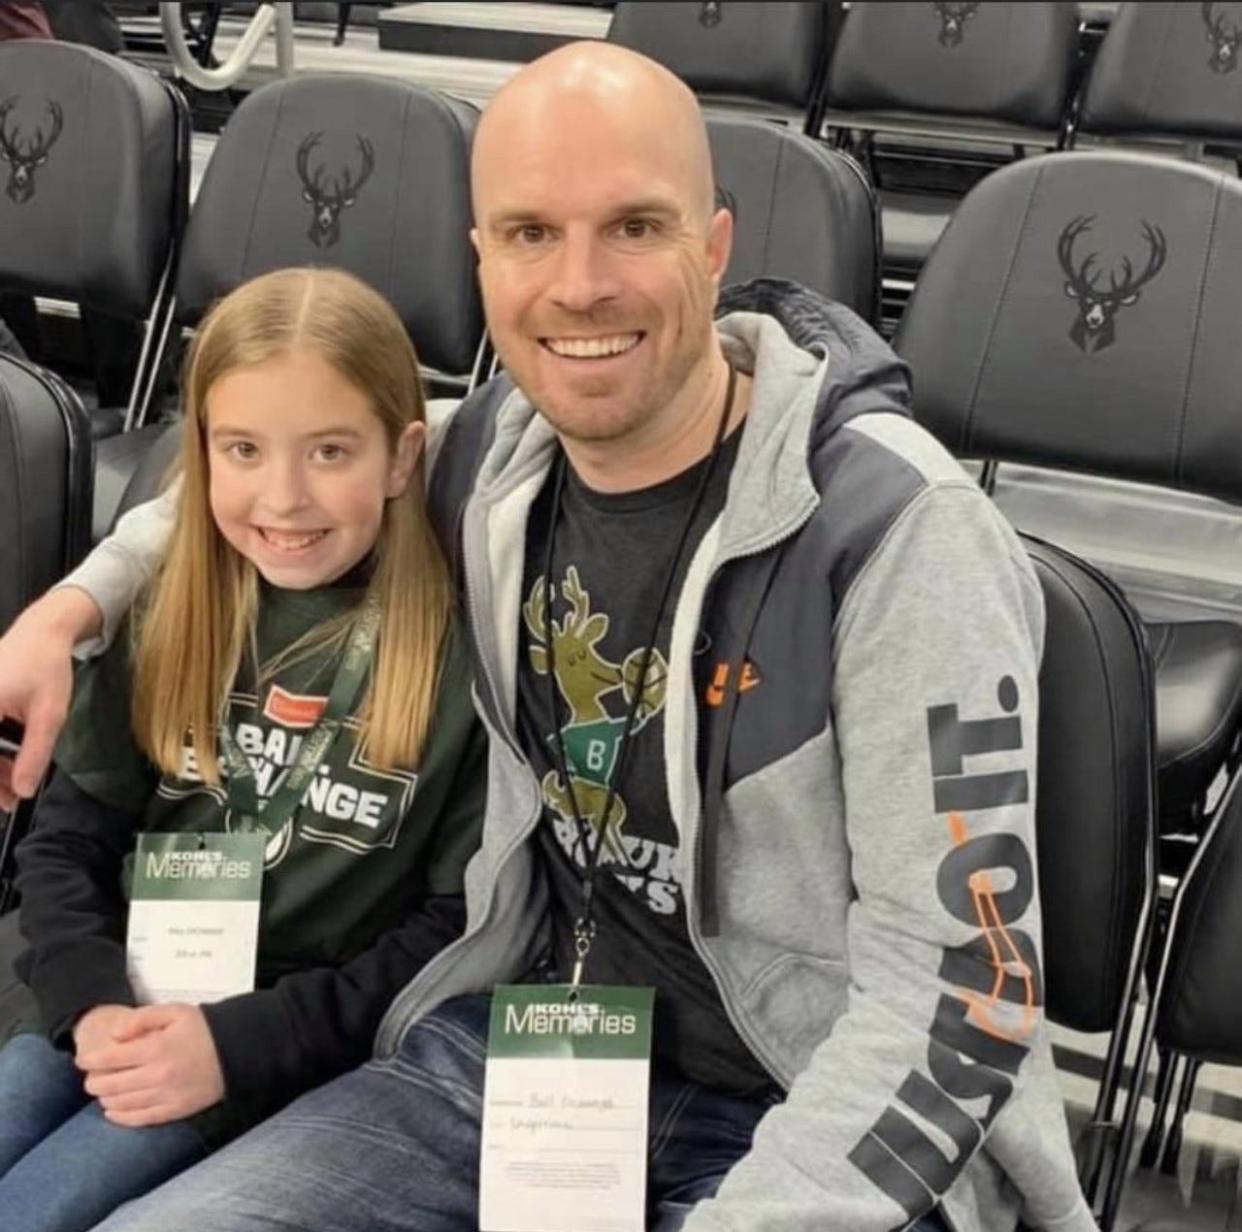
<point x="405" y="460"/>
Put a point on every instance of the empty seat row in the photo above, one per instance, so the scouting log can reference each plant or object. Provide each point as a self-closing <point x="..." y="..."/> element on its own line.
<point x="984" y="79"/>
<point x="362" y="172"/>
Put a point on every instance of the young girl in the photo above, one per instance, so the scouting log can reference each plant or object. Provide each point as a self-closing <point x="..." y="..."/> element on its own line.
<point x="302" y="582"/>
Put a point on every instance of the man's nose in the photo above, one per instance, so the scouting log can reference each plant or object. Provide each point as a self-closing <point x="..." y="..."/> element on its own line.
<point x="585" y="274"/>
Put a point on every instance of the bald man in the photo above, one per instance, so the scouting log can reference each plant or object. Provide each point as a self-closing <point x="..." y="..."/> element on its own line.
<point x="758" y="664"/>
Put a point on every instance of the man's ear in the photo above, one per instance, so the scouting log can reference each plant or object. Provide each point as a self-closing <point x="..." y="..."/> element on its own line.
<point x="405" y="460"/>
<point x="474" y="239"/>
<point x="719" y="245"/>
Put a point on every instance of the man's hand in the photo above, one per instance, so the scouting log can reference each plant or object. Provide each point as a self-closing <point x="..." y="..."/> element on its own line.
<point x="36" y="682"/>
<point x="162" y="1066"/>
<point x="97" y="1028"/>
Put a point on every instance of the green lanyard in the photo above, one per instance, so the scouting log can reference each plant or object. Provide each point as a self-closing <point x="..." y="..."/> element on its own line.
<point x="243" y="798"/>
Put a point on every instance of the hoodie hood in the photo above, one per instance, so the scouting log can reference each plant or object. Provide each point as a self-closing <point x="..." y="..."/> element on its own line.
<point x="864" y="375"/>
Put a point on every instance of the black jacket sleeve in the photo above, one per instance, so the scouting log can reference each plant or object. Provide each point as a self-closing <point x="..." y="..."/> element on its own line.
<point x="313" y="1025"/>
<point x="72" y="908"/>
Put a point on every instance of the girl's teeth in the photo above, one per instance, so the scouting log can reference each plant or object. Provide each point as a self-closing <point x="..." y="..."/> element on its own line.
<point x="289" y="542"/>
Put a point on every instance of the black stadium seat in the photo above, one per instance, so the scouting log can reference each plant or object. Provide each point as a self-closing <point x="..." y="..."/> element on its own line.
<point x="762" y="55"/>
<point x="1168" y="71"/>
<point x="1081" y="312"/>
<point x="992" y="75"/>
<point x="359" y="172"/>
<point x="46" y="467"/>
<point x="1197" y="998"/>
<point x="95" y="152"/>
<point x="1095" y="819"/>
<point x="801" y="211"/>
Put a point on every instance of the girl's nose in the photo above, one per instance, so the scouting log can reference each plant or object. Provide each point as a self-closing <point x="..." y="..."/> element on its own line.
<point x="283" y="487"/>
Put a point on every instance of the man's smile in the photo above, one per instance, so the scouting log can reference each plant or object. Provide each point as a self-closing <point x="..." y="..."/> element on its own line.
<point x="602" y="347"/>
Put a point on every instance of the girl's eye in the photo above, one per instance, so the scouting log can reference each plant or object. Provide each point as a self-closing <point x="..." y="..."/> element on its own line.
<point x="330" y="453"/>
<point x="244" y="451"/>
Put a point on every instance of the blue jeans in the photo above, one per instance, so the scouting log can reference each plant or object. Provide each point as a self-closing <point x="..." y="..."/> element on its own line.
<point x="63" y="1166"/>
<point x="394" y="1147"/>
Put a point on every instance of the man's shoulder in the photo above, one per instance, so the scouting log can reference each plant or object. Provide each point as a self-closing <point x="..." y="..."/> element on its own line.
<point x="906" y="455"/>
<point x="872" y="472"/>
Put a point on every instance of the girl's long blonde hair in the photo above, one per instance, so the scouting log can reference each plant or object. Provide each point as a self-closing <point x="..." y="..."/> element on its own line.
<point x="200" y="615"/>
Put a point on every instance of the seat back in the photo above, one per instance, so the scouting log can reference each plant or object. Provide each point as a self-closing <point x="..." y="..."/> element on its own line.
<point x="1168" y="69"/>
<point x="1200" y="1008"/>
<point x="764" y="53"/>
<point x="1095" y="824"/>
<point x="94" y="152"/>
<point x="46" y="479"/>
<point x="1080" y="311"/>
<point x="801" y="211"/>
<point x="997" y="61"/>
<point x="153" y="469"/>
<point x="359" y="172"/>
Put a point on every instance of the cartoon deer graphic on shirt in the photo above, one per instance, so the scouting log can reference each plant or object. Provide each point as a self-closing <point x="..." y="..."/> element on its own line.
<point x="586" y="678"/>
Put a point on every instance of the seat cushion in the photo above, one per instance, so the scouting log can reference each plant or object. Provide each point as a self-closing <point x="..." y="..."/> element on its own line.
<point x="1198" y="704"/>
<point x="912" y="225"/>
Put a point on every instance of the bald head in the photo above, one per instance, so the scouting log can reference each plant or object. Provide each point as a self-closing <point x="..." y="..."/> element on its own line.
<point x="600" y="254"/>
<point x="620" y="99"/>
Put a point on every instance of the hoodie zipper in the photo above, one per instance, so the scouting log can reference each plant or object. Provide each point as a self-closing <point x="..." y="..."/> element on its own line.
<point x="701" y="870"/>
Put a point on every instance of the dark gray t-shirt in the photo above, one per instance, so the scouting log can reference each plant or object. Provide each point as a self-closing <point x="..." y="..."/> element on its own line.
<point x="613" y="551"/>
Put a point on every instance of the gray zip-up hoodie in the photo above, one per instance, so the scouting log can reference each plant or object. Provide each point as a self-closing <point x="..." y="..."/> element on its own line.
<point x="859" y="866"/>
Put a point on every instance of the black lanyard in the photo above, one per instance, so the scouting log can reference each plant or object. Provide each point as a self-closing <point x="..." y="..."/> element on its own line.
<point x="242" y="793"/>
<point x="584" y="925"/>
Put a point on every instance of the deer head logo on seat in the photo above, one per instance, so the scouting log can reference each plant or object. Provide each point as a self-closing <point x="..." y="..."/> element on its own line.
<point x="953" y="19"/>
<point x="1094" y="328"/>
<point x="1225" y="37"/>
<point x="327" y="202"/>
<point x="23" y="158"/>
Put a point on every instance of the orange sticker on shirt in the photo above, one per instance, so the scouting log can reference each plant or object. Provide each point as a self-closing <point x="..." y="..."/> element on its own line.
<point x="293" y="709"/>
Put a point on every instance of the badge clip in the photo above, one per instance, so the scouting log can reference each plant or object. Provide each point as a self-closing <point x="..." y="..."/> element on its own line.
<point x="584" y="934"/>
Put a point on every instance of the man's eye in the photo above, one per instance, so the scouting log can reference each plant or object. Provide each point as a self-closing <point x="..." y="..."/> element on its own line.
<point x="637" y="228"/>
<point x="531" y="233"/>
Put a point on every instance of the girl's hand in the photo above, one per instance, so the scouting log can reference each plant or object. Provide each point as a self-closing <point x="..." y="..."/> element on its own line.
<point x="97" y="1027"/>
<point x="162" y="1067"/>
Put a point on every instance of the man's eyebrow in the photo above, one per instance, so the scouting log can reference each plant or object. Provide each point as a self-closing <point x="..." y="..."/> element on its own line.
<point x="648" y="205"/>
<point x="640" y="205"/>
<point x="512" y="218"/>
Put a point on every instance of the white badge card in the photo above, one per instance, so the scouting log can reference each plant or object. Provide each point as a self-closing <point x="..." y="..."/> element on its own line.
<point x="565" y="1110"/>
<point x="194" y="916"/>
